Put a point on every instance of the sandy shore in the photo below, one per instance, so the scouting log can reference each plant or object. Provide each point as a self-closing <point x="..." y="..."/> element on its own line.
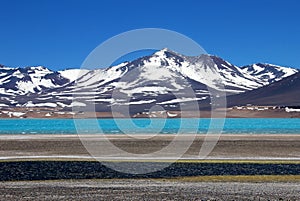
<point x="280" y="147"/>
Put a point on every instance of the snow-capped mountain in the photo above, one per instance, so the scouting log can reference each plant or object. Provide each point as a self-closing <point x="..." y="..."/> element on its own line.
<point x="22" y="81"/>
<point x="268" y="73"/>
<point x="165" y="78"/>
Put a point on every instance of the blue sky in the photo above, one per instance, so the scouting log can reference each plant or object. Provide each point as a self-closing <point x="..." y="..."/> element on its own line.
<point x="61" y="33"/>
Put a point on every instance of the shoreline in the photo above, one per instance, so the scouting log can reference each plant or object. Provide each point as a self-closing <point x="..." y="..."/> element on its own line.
<point x="129" y="136"/>
<point x="24" y="113"/>
<point x="290" y="116"/>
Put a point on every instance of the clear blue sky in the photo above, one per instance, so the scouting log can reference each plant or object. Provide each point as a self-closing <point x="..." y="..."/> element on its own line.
<point x="60" y="33"/>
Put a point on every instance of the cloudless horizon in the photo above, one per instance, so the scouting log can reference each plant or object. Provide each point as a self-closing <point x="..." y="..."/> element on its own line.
<point x="60" y="34"/>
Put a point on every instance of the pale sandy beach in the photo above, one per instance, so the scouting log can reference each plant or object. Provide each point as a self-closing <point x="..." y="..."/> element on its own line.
<point x="276" y="147"/>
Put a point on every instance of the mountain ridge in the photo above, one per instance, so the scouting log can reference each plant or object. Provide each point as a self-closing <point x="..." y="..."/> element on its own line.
<point x="285" y="92"/>
<point x="149" y="80"/>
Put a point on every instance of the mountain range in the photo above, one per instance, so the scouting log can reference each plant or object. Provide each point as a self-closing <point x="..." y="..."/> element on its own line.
<point x="285" y="92"/>
<point x="165" y="78"/>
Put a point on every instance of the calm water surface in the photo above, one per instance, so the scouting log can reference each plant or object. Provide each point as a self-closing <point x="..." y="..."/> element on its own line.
<point x="163" y="126"/>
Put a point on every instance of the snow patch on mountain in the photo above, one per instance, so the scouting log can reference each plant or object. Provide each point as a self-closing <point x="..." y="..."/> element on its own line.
<point x="180" y="100"/>
<point x="73" y="74"/>
<point x="268" y="73"/>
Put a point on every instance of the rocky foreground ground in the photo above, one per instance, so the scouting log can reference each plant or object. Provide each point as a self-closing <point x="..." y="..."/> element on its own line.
<point x="146" y="190"/>
<point x="39" y="178"/>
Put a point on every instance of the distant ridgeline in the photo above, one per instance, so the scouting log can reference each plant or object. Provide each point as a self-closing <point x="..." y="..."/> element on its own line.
<point x="159" y="79"/>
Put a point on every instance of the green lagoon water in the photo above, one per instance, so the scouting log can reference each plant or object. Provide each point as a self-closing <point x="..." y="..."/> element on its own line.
<point x="163" y="126"/>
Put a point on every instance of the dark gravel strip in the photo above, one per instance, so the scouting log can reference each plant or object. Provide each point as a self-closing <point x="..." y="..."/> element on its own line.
<point x="46" y="170"/>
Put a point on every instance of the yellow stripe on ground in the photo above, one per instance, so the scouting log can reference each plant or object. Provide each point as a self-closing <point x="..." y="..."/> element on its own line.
<point x="217" y="178"/>
<point x="263" y="161"/>
<point x="237" y="178"/>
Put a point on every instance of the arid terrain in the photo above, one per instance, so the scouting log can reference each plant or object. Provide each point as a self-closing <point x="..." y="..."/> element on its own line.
<point x="147" y="190"/>
<point x="227" y="146"/>
<point x="58" y="167"/>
